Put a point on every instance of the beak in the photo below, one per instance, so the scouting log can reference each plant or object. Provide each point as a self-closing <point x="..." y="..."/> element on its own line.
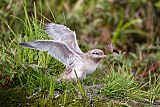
<point x="104" y="56"/>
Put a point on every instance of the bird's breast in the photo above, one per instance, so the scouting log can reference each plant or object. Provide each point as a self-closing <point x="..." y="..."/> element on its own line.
<point x="83" y="68"/>
<point x="88" y="67"/>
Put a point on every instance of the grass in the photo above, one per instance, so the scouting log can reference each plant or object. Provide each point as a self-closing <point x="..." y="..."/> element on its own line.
<point x="28" y="76"/>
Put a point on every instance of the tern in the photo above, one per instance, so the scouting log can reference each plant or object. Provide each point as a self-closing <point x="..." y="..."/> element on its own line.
<point x="64" y="47"/>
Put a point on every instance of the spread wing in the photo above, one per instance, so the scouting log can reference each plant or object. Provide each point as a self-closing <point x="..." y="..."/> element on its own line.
<point x="58" y="50"/>
<point x="63" y="34"/>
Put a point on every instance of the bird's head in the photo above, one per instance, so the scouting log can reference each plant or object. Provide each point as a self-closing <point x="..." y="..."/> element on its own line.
<point x="96" y="54"/>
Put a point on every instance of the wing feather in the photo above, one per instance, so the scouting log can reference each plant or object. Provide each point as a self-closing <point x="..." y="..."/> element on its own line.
<point x="63" y="34"/>
<point x="58" y="50"/>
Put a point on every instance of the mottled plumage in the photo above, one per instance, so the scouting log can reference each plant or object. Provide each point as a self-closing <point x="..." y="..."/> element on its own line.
<point x="64" y="47"/>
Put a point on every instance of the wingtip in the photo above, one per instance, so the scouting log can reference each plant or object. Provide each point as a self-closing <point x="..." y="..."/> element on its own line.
<point x="23" y="44"/>
<point x="26" y="44"/>
<point x="49" y="24"/>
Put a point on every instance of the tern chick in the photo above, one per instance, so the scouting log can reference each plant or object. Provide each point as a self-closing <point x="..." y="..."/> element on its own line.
<point x="64" y="47"/>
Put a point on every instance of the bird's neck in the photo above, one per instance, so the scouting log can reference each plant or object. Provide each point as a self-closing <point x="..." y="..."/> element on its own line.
<point x="93" y="60"/>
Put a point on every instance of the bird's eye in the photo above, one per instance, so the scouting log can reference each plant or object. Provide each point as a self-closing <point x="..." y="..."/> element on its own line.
<point x="96" y="53"/>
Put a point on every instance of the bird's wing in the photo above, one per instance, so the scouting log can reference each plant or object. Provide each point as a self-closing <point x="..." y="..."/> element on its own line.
<point x="63" y="34"/>
<point x="58" y="50"/>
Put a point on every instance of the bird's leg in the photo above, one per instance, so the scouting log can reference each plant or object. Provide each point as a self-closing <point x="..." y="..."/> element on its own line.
<point x="65" y="75"/>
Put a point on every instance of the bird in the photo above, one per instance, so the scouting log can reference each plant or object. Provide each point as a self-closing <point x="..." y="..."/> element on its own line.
<point x="64" y="47"/>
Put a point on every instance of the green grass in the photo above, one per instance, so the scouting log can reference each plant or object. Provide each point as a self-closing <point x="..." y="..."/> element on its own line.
<point x="27" y="77"/>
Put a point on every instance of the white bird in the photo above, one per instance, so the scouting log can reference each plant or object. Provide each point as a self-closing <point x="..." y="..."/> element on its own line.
<point x="64" y="47"/>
